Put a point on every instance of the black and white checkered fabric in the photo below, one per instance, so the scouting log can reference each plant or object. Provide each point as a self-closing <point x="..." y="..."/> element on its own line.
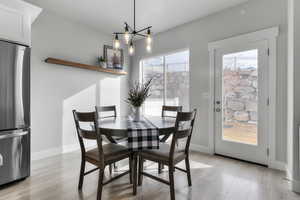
<point x="142" y="135"/>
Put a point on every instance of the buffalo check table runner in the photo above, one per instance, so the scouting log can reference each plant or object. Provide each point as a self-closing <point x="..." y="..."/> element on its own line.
<point x="142" y="135"/>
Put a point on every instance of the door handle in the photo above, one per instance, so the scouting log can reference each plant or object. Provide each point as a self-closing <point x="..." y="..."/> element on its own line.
<point x="13" y="134"/>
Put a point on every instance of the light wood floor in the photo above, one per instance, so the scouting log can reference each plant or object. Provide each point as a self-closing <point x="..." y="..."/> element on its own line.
<point x="213" y="178"/>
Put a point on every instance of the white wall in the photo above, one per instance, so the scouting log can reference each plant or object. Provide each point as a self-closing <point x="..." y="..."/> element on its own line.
<point x="248" y="17"/>
<point x="56" y="89"/>
<point x="290" y="82"/>
<point x="294" y="94"/>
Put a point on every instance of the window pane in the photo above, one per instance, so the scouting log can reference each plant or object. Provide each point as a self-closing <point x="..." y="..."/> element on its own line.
<point x="170" y="75"/>
<point x="240" y="94"/>
<point x="153" y="68"/>
<point x="177" y="79"/>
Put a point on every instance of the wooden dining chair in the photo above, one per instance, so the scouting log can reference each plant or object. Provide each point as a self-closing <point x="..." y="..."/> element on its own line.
<point x="109" y="112"/>
<point x="171" y="155"/>
<point x="168" y="111"/>
<point x="101" y="156"/>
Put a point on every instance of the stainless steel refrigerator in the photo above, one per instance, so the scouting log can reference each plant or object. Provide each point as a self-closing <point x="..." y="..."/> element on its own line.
<point x="14" y="112"/>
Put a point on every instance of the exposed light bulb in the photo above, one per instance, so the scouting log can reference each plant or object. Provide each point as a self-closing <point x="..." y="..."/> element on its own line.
<point x="131" y="48"/>
<point x="149" y="48"/>
<point x="126" y="34"/>
<point x="149" y="38"/>
<point x="126" y="37"/>
<point x="116" y="42"/>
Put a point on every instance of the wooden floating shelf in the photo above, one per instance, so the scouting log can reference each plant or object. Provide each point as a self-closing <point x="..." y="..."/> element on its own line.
<point x="84" y="66"/>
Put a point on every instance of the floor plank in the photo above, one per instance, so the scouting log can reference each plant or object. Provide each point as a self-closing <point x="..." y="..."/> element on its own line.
<point x="213" y="177"/>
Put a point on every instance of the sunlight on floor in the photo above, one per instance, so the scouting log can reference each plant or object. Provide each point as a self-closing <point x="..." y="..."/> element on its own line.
<point x="152" y="167"/>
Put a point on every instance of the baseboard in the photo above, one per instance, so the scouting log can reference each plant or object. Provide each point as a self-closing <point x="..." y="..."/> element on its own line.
<point x="59" y="150"/>
<point x="70" y="148"/>
<point x="46" y="153"/>
<point x="75" y="147"/>
<point x="296" y="186"/>
<point x="200" y="148"/>
<point x="277" y="165"/>
<point x="288" y="173"/>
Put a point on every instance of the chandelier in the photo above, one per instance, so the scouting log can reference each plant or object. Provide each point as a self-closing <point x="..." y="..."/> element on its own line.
<point x="130" y="33"/>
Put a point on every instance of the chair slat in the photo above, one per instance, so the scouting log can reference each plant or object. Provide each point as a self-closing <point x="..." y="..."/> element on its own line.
<point x="183" y="133"/>
<point x="85" y="116"/>
<point x="113" y="109"/>
<point x="90" y="135"/>
<point x="170" y="109"/>
<point x="185" y="116"/>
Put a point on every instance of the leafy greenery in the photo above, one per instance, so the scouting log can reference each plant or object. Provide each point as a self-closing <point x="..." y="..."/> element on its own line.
<point x="139" y="93"/>
<point x="101" y="59"/>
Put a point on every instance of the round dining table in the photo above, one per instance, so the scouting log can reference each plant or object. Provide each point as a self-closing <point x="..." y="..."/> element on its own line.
<point x="118" y="127"/>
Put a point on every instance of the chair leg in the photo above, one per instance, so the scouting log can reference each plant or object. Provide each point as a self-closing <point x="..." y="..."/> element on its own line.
<point x="110" y="169"/>
<point x="81" y="176"/>
<point x="115" y="167"/>
<point x="100" y="184"/>
<point x="171" y="179"/>
<point x="159" y="168"/>
<point x="187" y="164"/>
<point x="141" y="169"/>
<point x="130" y="169"/>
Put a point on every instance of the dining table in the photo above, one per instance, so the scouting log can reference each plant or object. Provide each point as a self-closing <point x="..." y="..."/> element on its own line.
<point x="119" y="127"/>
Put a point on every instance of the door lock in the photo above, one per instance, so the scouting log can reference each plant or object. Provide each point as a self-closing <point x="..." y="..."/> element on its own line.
<point x="218" y="109"/>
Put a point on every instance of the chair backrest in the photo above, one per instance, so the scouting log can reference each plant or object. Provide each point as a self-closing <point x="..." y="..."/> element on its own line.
<point x="183" y="130"/>
<point x="106" y="109"/>
<point x="173" y="109"/>
<point x="92" y="134"/>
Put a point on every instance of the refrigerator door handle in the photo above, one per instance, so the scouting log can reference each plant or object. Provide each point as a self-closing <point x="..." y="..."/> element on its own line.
<point x="13" y="134"/>
<point x="1" y="160"/>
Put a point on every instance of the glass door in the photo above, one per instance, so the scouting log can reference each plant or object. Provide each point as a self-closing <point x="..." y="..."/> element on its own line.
<point x="241" y="105"/>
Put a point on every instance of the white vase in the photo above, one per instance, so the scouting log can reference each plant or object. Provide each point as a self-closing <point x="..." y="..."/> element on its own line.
<point x="103" y="64"/>
<point x="137" y="116"/>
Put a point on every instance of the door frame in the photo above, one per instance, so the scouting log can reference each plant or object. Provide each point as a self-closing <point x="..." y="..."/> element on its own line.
<point x="270" y="35"/>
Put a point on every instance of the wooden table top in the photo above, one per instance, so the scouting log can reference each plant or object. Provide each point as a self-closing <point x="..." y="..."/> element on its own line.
<point x="119" y="126"/>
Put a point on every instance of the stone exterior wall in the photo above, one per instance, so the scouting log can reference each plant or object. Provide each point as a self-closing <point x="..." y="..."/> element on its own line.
<point x="240" y="95"/>
<point x="177" y="86"/>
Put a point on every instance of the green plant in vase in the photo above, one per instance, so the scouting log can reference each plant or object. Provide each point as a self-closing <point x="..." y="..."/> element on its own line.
<point x="137" y="95"/>
<point x="102" y="62"/>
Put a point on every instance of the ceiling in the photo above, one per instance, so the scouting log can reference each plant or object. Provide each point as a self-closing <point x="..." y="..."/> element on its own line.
<point x="109" y="15"/>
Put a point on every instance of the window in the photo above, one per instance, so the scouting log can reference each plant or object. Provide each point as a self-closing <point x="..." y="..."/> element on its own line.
<point x="170" y="84"/>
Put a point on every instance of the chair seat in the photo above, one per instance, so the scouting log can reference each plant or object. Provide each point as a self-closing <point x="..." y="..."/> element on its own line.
<point x="162" y="154"/>
<point x="119" y="139"/>
<point x="112" y="153"/>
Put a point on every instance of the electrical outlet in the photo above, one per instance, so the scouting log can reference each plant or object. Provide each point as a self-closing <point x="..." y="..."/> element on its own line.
<point x="1" y="160"/>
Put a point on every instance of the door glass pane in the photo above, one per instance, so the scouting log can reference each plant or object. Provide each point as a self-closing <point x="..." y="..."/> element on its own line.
<point x="177" y="79"/>
<point x="153" y="68"/>
<point x="240" y="97"/>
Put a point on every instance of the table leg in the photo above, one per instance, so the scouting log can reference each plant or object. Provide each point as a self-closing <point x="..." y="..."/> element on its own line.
<point x="135" y="162"/>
